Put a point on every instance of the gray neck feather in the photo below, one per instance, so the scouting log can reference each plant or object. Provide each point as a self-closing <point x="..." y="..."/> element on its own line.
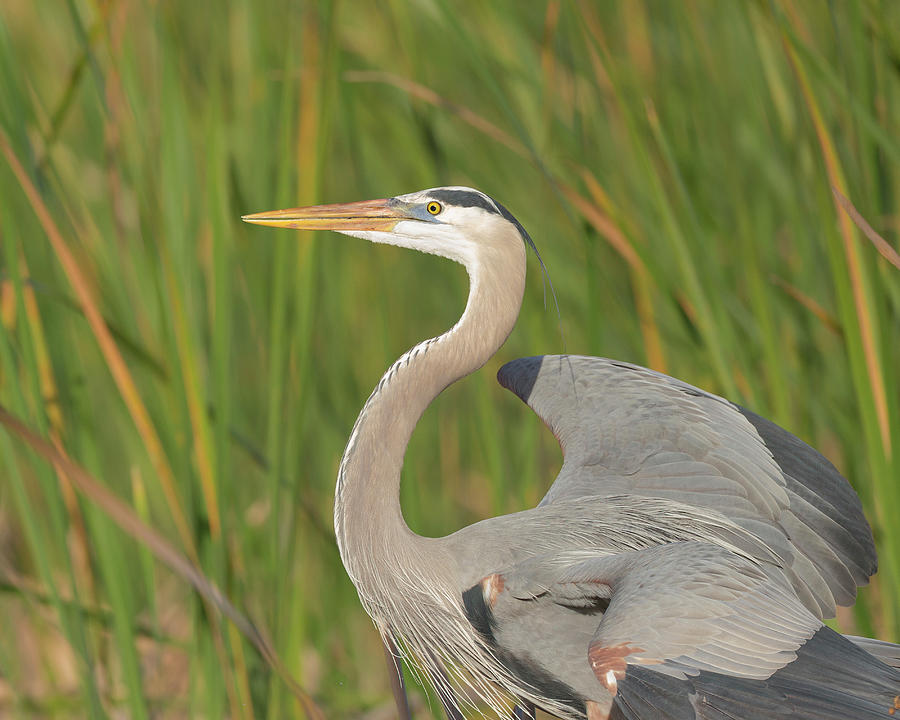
<point x="367" y="515"/>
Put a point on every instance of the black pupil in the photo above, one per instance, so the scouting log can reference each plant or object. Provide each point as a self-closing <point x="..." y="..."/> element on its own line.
<point x="433" y="208"/>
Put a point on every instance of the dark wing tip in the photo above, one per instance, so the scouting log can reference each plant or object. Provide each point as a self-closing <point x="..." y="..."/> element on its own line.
<point x="519" y="376"/>
<point x="813" y="477"/>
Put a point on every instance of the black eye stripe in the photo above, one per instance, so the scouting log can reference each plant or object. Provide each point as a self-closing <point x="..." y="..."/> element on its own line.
<point x="464" y="198"/>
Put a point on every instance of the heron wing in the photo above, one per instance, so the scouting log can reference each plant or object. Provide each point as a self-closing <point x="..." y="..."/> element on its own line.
<point x="689" y="605"/>
<point x="691" y="630"/>
<point x="624" y="429"/>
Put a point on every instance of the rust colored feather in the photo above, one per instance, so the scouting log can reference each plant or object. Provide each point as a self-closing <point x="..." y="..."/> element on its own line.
<point x="491" y="587"/>
<point x="609" y="663"/>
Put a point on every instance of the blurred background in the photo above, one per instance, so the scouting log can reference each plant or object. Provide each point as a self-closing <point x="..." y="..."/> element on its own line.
<point x="674" y="163"/>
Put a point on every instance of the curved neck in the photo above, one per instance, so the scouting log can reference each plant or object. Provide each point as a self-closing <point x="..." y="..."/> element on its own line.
<point x="372" y="535"/>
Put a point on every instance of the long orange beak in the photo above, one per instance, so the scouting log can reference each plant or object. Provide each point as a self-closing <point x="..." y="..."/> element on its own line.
<point x="364" y="215"/>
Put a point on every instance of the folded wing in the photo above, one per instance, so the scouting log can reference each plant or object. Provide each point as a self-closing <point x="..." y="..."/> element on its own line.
<point x="689" y="630"/>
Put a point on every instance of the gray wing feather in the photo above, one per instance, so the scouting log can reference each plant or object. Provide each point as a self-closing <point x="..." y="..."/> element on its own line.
<point x="624" y="429"/>
<point x="887" y="652"/>
<point x="676" y="608"/>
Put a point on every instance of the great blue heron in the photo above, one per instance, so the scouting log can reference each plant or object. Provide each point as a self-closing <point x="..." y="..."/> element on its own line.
<point x="679" y="566"/>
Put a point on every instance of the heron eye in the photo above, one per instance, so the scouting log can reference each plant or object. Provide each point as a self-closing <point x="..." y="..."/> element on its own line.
<point x="433" y="207"/>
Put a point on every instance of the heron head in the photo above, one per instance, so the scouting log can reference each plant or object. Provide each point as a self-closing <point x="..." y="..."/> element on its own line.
<point x="454" y="222"/>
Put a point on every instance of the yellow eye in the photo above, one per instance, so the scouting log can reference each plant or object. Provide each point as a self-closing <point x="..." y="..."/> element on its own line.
<point x="433" y="207"/>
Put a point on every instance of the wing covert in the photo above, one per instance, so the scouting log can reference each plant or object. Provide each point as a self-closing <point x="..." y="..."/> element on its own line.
<point x="680" y="608"/>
